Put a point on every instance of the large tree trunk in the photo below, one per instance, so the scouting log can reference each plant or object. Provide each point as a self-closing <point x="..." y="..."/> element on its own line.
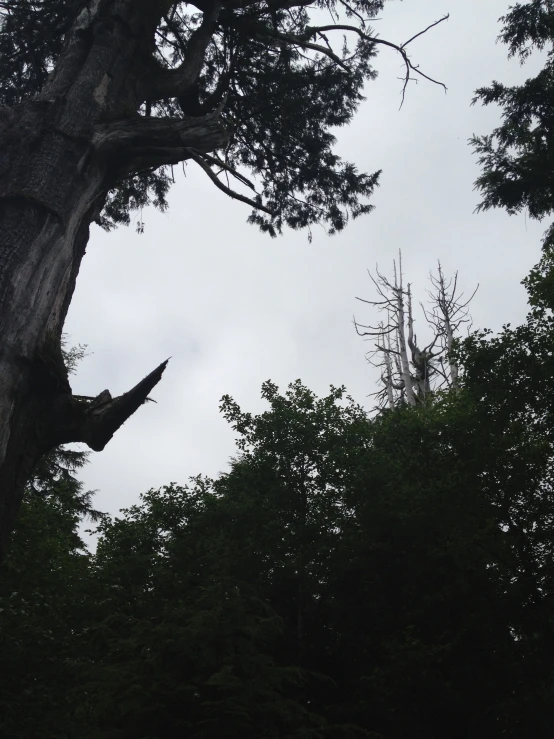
<point x="60" y="153"/>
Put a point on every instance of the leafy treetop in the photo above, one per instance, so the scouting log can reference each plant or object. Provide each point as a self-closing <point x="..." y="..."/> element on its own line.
<point x="280" y="74"/>
<point x="517" y="158"/>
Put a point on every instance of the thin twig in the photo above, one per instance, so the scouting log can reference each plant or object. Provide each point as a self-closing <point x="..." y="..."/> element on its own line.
<point x="436" y="23"/>
<point x="400" y="48"/>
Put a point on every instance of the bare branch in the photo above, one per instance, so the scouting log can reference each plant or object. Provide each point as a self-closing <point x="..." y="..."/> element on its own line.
<point x="432" y="25"/>
<point x="409" y="373"/>
<point x="350" y="9"/>
<point x="386" y="349"/>
<point x="95" y="421"/>
<point x="373" y="330"/>
<point x="400" y="48"/>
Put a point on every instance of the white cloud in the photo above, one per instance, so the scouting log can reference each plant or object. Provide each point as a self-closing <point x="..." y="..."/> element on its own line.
<point x="234" y="308"/>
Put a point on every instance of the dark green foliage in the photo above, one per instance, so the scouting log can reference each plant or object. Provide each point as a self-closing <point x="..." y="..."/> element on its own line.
<point x="44" y="592"/>
<point x="56" y="470"/>
<point x="31" y="39"/>
<point x="349" y="576"/>
<point x="280" y="109"/>
<point x="301" y="104"/>
<point x="45" y="587"/>
<point x="135" y="193"/>
<point x="517" y="158"/>
<point x="189" y="648"/>
<point x="385" y="577"/>
<point x="281" y="100"/>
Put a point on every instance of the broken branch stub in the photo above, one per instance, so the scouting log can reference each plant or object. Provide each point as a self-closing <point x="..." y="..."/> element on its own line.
<point x="95" y="422"/>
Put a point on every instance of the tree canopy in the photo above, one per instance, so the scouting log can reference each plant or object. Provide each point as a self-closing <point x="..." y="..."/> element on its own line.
<point x="350" y="575"/>
<point x="517" y="157"/>
<point x="384" y="575"/>
<point x="99" y="101"/>
<point x="278" y="77"/>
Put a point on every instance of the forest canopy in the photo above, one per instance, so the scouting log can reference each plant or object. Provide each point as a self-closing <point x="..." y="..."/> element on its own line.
<point x="350" y="575"/>
<point x="354" y="571"/>
<point x="99" y="101"/>
<point x="280" y="77"/>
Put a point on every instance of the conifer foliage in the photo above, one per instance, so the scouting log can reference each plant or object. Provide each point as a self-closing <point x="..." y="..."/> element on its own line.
<point x="348" y="576"/>
<point x="517" y="157"/>
<point x="100" y="99"/>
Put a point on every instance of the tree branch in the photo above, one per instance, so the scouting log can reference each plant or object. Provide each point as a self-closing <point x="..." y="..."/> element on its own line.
<point x="173" y="83"/>
<point x="94" y="421"/>
<point x="220" y="163"/>
<point x="227" y="190"/>
<point x="104" y="417"/>
<point x="431" y="25"/>
<point x="400" y="48"/>
<point x="304" y="43"/>
<point x="139" y="143"/>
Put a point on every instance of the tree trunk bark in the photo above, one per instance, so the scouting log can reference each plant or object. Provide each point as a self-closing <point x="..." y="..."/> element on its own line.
<point x="60" y="154"/>
<point x="402" y="347"/>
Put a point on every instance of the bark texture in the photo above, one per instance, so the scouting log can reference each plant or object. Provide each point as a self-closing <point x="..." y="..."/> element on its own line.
<point x="60" y="153"/>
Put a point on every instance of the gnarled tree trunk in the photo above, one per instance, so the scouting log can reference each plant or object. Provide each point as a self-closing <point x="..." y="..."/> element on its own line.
<point x="60" y="153"/>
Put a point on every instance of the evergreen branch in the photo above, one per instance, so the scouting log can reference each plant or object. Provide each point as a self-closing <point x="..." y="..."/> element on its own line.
<point x="350" y="9"/>
<point x="205" y="5"/>
<point x="227" y="190"/>
<point x="220" y="163"/>
<point x="178" y="81"/>
<point x="173" y="27"/>
<point x="302" y="42"/>
<point x="218" y="96"/>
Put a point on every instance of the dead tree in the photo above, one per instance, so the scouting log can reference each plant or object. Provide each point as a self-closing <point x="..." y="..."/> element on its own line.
<point x="447" y="313"/>
<point x="409" y="371"/>
<point x="100" y="98"/>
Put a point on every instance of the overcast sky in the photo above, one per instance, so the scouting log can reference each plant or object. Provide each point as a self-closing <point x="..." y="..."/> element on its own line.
<point x="233" y="307"/>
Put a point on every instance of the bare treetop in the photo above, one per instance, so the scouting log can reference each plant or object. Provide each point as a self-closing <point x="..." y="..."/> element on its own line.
<point x="410" y="372"/>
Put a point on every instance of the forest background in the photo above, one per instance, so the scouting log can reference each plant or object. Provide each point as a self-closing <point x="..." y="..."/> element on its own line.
<point x="234" y="308"/>
<point x="349" y="574"/>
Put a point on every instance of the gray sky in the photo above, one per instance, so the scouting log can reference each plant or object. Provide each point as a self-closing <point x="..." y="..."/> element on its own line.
<point x="233" y="307"/>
